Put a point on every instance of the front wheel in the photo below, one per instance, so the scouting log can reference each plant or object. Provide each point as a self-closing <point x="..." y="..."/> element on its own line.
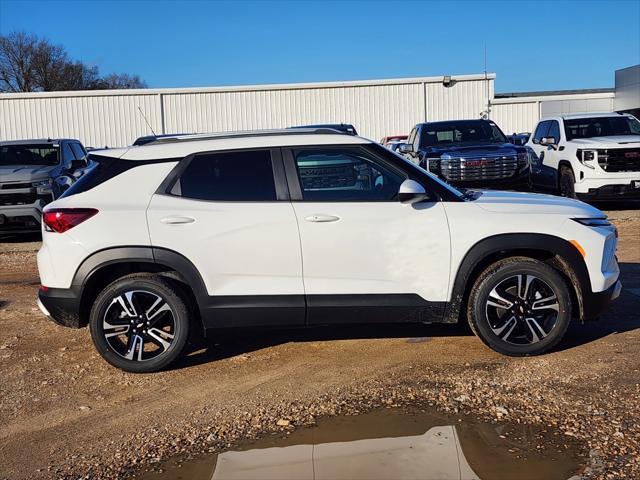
<point x="140" y="323"/>
<point x="567" y="182"/>
<point x="520" y="306"/>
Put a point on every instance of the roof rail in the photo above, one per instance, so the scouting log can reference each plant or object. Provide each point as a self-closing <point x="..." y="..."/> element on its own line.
<point x="248" y="133"/>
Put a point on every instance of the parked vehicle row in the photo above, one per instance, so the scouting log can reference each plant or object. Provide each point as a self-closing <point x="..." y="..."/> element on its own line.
<point x="213" y="231"/>
<point x="588" y="156"/>
<point x="32" y="174"/>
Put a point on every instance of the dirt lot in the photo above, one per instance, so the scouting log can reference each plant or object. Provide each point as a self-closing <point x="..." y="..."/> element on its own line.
<point x="65" y="413"/>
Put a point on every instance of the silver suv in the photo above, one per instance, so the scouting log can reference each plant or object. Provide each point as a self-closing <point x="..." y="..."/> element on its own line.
<point x="33" y="173"/>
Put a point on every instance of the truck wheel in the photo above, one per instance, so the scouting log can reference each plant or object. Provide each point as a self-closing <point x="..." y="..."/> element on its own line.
<point x="567" y="182"/>
<point x="520" y="306"/>
<point x="140" y="323"/>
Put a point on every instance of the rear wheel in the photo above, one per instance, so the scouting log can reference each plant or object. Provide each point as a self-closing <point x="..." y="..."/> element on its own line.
<point x="520" y="306"/>
<point x="567" y="182"/>
<point x="140" y="323"/>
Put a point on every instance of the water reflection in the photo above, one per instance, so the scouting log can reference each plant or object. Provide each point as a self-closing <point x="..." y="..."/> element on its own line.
<point x="388" y="444"/>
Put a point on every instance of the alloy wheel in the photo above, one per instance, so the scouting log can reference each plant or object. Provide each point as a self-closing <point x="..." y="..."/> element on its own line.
<point x="139" y="325"/>
<point x="522" y="309"/>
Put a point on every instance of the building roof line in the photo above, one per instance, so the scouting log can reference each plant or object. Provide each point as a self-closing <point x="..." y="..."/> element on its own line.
<point x="553" y="92"/>
<point x="249" y="88"/>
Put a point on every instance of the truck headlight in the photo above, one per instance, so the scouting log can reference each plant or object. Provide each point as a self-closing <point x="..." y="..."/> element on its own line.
<point x="43" y="186"/>
<point x="523" y="159"/>
<point x="433" y="164"/>
<point x="587" y="157"/>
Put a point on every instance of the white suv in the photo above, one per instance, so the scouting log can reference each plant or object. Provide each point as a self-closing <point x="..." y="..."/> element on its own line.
<point x="592" y="155"/>
<point x="305" y="227"/>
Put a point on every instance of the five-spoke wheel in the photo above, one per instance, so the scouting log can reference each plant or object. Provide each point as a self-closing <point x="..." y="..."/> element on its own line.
<point x="520" y="306"/>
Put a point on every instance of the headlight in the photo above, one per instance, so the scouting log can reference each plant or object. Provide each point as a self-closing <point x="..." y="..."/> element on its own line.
<point x="587" y="157"/>
<point x="43" y="186"/>
<point x="593" y="222"/>
<point x="523" y="159"/>
<point x="433" y="164"/>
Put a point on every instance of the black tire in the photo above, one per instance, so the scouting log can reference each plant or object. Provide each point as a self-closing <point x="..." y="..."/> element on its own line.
<point x="567" y="182"/>
<point x="528" y="327"/>
<point x="159" y="329"/>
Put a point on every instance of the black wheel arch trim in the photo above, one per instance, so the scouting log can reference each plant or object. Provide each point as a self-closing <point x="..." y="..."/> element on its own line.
<point x="566" y="257"/>
<point x="156" y="256"/>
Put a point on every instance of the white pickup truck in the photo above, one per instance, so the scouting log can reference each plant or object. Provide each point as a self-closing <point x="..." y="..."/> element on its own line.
<point x="594" y="155"/>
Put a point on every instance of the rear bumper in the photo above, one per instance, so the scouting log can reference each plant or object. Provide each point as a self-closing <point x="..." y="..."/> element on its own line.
<point x="596" y="303"/>
<point x="62" y="305"/>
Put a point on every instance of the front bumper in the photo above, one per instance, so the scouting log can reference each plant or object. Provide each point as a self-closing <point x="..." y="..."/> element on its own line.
<point x="21" y="218"/>
<point x="626" y="191"/>
<point x="520" y="181"/>
<point x="596" y="303"/>
<point x="62" y="305"/>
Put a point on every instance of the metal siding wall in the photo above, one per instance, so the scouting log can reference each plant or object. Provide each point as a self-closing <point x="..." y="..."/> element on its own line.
<point x="515" y="117"/>
<point x="375" y="111"/>
<point x="112" y="120"/>
<point x="462" y="100"/>
<point x="559" y="107"/>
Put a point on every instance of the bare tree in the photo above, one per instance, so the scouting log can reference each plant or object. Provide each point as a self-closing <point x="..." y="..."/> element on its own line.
<point x="32" y="64"/>
<point x="116" y="81"/>
<point x="16" y="62"/>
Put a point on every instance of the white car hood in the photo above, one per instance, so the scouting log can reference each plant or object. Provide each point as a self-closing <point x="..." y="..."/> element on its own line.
<point x="617" y="141"/>
<point x="519" y="202"/>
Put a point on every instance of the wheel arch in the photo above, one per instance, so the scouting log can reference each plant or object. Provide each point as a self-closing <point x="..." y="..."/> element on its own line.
<point x="105" y="266"/>
<point x="555" y="251"/>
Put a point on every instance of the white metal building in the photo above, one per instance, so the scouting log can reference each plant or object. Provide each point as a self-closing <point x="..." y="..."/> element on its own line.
<point x="115" y="118"/>
<point x="519" y="112"/>
<point x="376" y="107"/>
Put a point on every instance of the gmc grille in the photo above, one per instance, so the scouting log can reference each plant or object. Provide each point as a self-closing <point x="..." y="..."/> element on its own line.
<point x="619" y="159"/>
<point x="479" y="168"/>
<point x="18" y="198"/>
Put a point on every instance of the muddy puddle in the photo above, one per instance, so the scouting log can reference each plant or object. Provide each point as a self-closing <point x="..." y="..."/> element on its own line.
<point x="389" y="443"/>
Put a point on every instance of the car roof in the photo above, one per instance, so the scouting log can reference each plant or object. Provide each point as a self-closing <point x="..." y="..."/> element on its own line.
<point x="571" y="116"/>
<point x="444" y="122"/>
<point x="183" y="145"/>
<point x="36" y="141"/>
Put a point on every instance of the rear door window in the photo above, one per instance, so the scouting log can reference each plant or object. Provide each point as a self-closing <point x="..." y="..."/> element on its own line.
<point x="245" y="176"/>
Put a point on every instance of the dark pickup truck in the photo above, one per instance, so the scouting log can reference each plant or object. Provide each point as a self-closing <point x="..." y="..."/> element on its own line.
<point x="469" y="153"/>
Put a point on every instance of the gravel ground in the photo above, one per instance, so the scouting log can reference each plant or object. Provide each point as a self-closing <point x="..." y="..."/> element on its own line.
<point x="67" y="414"/>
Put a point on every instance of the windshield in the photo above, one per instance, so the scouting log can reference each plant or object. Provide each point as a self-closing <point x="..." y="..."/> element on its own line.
<point x="601" y="127"/>
<point x="457" y="133"/>
<point x="40" y="155"/>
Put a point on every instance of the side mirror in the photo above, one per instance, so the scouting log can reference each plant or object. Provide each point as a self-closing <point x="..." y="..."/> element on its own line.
<point x="405" y="148"/>
<point x="76" y="164"/>
<point x="548" y="141"/>
<point x="412" y="192"/>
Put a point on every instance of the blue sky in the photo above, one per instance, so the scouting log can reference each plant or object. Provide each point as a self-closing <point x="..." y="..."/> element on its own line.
<point x="531" y="45"/>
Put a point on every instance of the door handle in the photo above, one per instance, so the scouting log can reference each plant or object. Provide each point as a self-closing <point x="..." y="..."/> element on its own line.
<point x="177" y="220"/>
<point x="322" y="218"/>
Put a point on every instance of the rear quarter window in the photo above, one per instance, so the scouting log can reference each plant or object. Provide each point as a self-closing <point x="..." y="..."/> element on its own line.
<point x="102" y="169"/>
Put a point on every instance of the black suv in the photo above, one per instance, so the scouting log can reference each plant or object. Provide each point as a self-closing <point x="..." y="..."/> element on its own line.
<point x="469" y="153"/>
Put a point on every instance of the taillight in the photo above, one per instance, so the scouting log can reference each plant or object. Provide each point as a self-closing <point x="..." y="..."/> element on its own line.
<point x="62" y="219"/>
